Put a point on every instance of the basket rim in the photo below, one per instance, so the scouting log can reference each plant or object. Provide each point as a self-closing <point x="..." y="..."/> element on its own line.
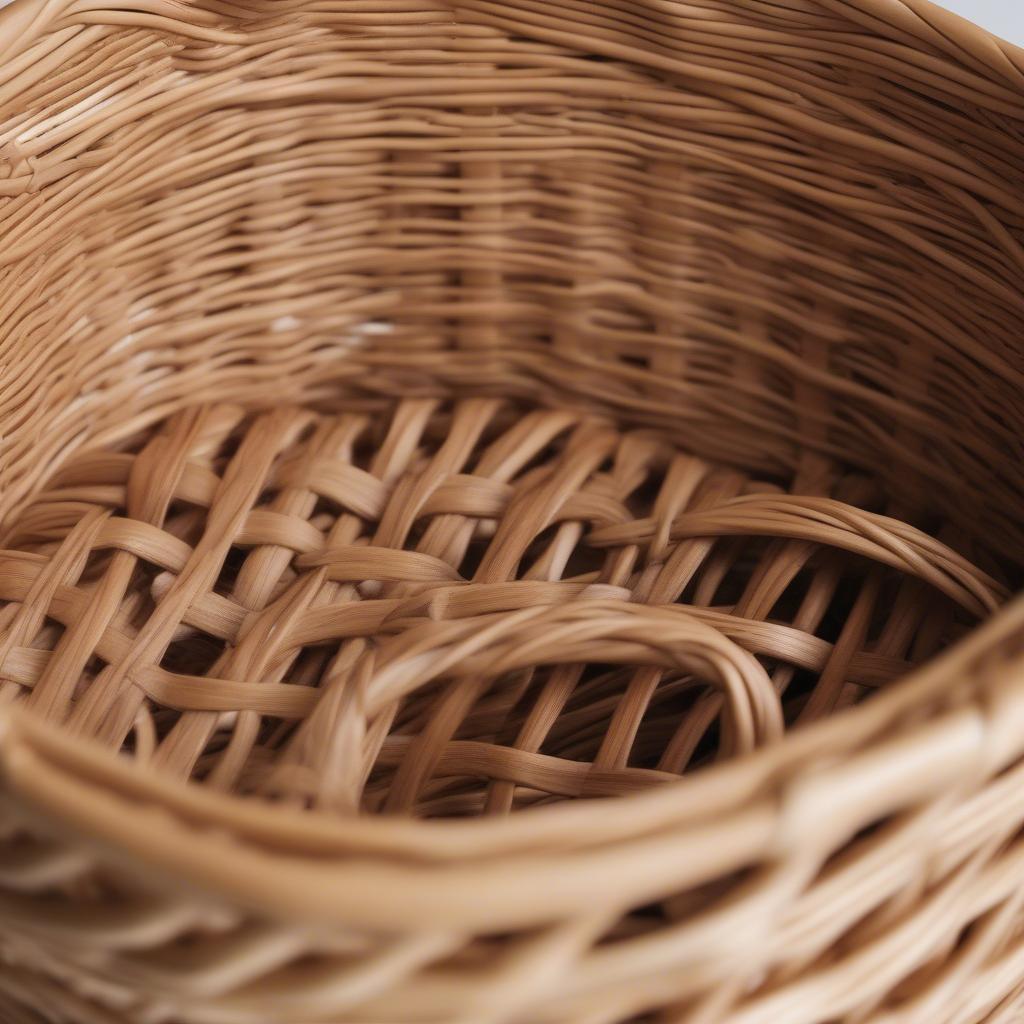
<point x="939" y="23"/>
<point x="539" y="863"/>
<point x="923" y="19"/>
<point x="738" y="794"/>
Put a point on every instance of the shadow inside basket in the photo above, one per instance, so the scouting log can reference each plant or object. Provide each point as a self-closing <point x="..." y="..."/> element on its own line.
<point x="455" y="608"/>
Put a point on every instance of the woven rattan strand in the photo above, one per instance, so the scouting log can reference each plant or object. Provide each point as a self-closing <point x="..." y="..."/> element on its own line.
<point x="510" y="513"/>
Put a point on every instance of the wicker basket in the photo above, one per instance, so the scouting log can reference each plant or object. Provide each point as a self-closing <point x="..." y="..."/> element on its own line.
<point x="432" y="432"/>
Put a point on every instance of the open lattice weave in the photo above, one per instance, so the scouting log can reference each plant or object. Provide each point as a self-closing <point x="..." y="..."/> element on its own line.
<point x="452" y="608"/>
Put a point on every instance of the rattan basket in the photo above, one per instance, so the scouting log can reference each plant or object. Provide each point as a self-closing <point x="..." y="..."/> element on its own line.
<point x="468" y="468"/>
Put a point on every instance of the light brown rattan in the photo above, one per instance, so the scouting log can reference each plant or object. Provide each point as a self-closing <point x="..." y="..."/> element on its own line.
<point x="415" y="412"/>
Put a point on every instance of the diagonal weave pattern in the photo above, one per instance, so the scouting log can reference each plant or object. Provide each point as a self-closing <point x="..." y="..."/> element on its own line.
<point x="452" y="607"/>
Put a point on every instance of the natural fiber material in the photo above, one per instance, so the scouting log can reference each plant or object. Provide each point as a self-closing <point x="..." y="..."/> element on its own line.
<point x="417" y="412"/>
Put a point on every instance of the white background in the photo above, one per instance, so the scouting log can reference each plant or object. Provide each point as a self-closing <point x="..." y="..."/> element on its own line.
<point x="1004" y="17"/>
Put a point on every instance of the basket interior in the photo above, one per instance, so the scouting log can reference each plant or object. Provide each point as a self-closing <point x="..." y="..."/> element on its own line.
<point x="651" y="267"/>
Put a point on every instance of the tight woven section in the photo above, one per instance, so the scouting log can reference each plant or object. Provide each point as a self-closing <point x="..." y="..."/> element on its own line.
<point x="453" y="607"/>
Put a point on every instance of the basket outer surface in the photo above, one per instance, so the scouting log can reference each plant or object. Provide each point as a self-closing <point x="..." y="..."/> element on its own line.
<point x="787" y="232"/>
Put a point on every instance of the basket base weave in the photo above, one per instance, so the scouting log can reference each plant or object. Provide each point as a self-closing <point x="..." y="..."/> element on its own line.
<point x="453" y="608"/>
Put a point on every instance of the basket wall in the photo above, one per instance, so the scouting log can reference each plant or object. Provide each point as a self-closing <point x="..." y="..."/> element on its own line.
<point x="799" y="225"/>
